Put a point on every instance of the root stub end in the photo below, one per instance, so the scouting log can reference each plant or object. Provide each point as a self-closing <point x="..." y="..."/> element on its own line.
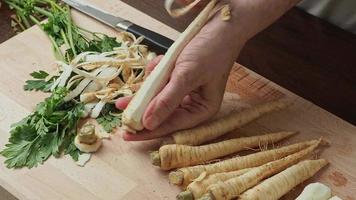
<point x="207" y="196"/>
<point x="155" y="158"/>
<point x="185" y="195"/>
<point x="176" y="178"/>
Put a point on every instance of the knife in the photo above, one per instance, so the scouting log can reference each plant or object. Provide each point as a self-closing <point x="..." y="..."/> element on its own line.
<point x="155" y="41"/>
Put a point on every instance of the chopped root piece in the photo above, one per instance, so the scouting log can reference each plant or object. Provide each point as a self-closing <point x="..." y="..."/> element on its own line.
<point x="315" y="191"/>
<point x="83" y="159"/>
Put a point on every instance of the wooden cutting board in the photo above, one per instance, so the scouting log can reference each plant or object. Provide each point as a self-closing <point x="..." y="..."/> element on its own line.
<point x="122" y="170"/>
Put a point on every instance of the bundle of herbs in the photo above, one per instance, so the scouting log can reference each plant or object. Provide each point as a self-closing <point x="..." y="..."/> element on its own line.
<point x="82" y="56"/>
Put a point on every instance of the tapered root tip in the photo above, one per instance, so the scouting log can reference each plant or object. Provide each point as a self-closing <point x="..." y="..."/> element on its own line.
<point x="155" y="158"/>
<point x="176" y="178"/>
<point x="185" y="195"/>
<point x="207" y="196"/>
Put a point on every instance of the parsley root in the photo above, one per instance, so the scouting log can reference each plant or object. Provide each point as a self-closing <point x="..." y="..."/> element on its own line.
<point x="86" y="140"/>
<point x="198" y="187"/>
<point x="186" y="175"/>
<point x="175" y="155"/>
<point x="278" y="185"/>
<point x="233" y="187"/>
<point x="212" y="130"/>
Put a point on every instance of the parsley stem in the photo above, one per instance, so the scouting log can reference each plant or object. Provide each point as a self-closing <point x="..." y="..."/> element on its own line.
<point x="16" y="19"/>
<point x="70" y="35"/>
<point x="25" y="21"/>
<point x="43" y="11"/>
<point x="64" y="37"/>
<point x="57" y="50"/>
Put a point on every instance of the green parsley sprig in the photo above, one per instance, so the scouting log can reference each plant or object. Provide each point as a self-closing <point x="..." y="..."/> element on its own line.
<point x="49" y="130"/>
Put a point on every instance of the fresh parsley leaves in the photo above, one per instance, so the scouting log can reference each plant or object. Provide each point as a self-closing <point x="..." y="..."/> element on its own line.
<point x="107" y="120"/>
<point x="39" y="83"/>
<point x="49" y="130"/>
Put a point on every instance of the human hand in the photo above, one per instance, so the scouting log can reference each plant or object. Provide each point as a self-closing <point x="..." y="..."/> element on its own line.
<point x="196" y="86"/>
<point x="195" y="89"/>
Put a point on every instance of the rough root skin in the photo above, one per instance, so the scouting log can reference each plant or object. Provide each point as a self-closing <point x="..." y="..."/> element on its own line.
<point x="176" y="155"/>
<point x="212" y="130"/>
<point x="199" y="187"/>
<point x="155" y="158"/>
<point x="278" y="185"/>
<point x="185" y="195"/>
<point x="233" y="187"/>
<point x="176" y="177"/>
<point x="188" y="174"/>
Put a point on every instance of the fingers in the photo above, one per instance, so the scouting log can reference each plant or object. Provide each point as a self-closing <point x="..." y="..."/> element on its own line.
<point x="151" y="65"/>
<point x="167" y="100"/>
<point x="122" y="102"/>
<point x="180" y="119"/>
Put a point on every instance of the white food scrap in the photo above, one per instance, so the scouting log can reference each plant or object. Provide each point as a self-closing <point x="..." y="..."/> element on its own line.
<point x="83" y="159"/>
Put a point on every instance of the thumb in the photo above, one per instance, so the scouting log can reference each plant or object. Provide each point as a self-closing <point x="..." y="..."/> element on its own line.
<point x="166" y="102"/>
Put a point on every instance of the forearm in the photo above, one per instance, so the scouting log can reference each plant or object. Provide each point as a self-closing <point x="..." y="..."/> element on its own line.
<point x="252" y="16"/>
<point x="248" y="17"/>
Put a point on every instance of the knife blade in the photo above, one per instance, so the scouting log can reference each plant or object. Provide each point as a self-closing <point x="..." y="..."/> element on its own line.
<point x="153" y="40"/>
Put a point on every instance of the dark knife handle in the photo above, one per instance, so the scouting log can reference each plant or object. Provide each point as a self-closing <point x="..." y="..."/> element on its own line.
<point x="156" y="42"/>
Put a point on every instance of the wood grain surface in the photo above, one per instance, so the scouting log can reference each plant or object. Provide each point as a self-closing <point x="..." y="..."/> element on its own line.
<point x="122" y="170"/>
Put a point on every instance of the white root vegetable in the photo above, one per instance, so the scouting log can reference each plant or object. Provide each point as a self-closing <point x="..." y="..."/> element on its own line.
<point x="233" y="187"/>
<point x="83" y="159"/>
<point x="86" y="140"/>
<point x="214" y="129"/>
<point x="62" y="79"/>
<point x="87" y="148"/>
<point x="186" y="175"/>
<point x="278" y="185"/>
<point x="315" y="191"/>
<point x="199" y="186"/>
<point x="87" y="109"/>
<point x="174" y="156"/>
<point x="81" y="86"/>
<point x="132" y="115"/>
<point x="97" y="109"/>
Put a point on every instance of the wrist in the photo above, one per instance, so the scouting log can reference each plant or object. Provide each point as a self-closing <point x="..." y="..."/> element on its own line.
<point x="226" y="33"/>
